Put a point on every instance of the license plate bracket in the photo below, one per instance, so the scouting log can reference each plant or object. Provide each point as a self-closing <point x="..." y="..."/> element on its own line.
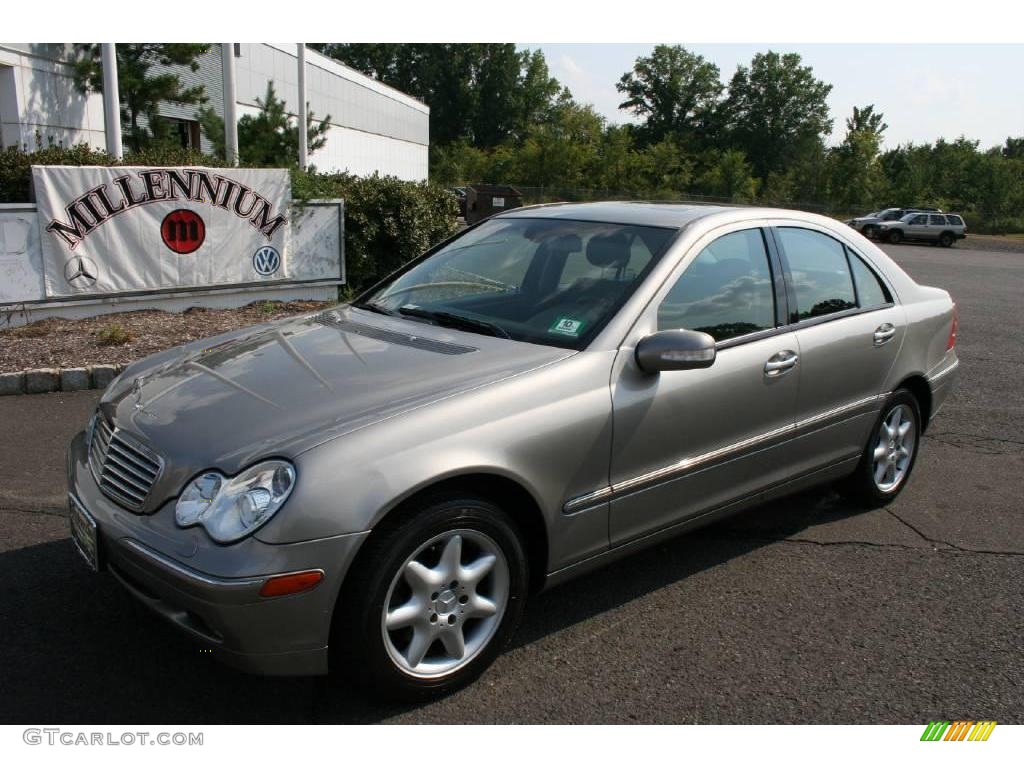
<point x="85" y="534"/>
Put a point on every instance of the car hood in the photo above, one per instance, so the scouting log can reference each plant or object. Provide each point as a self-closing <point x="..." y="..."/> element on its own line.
<point x="282" y="388"/>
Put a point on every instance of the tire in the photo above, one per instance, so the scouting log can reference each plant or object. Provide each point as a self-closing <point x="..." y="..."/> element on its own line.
<point x="869" y="484"/>
<point x="868" y="231"/>
<point x="398" y="628"/>
<point x="895" y="237"/>
<point x="946" y="239"/>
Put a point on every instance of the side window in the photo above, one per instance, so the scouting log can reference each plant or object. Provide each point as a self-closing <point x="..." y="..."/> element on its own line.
<point x="870" y="291"/>
<point x="937" y="221"/>
<point x="920" y="219"/>
<point x="820" y="274"/>
<point x="956" y="221"/>
<point x="726" y="291"/>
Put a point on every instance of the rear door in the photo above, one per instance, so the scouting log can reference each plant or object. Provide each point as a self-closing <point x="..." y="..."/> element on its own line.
<point x="937" y="224"/>
<point x="849" y="330"/>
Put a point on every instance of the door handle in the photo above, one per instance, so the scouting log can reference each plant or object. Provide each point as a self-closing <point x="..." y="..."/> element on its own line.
<point x="781" y="363"/>
<point x="884" y="334"/>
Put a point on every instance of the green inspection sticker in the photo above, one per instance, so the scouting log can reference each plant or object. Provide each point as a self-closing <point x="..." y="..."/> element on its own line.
<point x="566" y="326"/>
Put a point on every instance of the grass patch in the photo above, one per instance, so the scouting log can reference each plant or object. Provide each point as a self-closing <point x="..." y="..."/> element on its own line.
<point x="113" y="335"/>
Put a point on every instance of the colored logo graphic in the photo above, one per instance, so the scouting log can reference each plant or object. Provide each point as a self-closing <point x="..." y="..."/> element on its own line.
<point x="80" y="272"/>
<point x="266" y="261"/>
<point x="958" y="730"/>
<point x="183" y="231"/>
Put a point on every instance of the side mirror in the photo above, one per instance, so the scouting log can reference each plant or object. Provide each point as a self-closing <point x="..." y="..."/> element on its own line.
<point x="675" y="351"/>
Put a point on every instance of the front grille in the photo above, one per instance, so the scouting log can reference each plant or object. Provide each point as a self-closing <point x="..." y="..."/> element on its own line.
<point x="125" y="470"/>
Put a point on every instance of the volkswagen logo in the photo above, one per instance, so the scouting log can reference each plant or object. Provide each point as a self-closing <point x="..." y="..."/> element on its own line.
<point x="81" y="272"/>
<point x="266" y="261"/>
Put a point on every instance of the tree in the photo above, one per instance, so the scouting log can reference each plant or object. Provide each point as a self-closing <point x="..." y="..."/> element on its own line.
<point x="855" y="176"/>
<point x="270" y="138"/>
<point x="1014" y="147"/>
<point x="731" y="176"/>
<point x="674" y="91"/>
<point x="776" y="110"/>
<point x="562" y="152"/>
<point x="142" y="92"/>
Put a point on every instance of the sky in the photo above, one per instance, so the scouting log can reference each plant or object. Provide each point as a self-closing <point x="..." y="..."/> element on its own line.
<point x="925" y="91"/>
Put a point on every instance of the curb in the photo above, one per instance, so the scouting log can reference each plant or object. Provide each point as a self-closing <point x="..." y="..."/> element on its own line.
<point x="38" y="380"/>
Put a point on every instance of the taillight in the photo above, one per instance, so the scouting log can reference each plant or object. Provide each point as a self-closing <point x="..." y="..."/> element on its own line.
<point x="951" y="341"/>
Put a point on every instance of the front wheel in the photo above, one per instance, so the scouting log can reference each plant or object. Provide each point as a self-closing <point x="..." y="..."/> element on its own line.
<point x="432" y="600"/>
<point x="895" y="237"/>
<point x="891" y="451"/>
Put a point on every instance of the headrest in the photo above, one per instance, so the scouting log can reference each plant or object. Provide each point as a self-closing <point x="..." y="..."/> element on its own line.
<point x="563" y="244"/>
<point x="606" y="250"/>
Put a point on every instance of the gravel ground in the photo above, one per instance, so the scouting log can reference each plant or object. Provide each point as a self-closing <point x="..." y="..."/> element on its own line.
<point x="56" y="343"/>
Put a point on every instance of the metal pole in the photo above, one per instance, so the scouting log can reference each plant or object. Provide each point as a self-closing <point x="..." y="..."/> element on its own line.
<point x="303" y="135"/>
<point x="227" y="59"/>
<point x="111" y="100"/>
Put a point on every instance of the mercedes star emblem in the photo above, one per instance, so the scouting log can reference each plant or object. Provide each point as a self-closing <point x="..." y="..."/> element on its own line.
<point x="81" y="272"/>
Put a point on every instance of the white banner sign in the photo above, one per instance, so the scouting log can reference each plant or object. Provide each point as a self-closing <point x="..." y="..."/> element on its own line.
<point x="111" y="230"/>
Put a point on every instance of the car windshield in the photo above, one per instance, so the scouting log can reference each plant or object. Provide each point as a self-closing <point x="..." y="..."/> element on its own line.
<point x="547" y="281"/>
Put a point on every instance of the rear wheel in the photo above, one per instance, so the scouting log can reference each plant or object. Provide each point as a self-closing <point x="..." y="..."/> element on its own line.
<point x="432" y="600"/>
<point x="890" y="453"/>
<point x="895" y="236"/>
<point x="946" y="239"/>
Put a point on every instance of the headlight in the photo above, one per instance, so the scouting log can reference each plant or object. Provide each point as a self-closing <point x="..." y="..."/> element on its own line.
<point x="230" y="508"/>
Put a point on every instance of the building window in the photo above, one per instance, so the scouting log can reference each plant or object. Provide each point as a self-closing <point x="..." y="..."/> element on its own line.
<point x="184" y="132"/>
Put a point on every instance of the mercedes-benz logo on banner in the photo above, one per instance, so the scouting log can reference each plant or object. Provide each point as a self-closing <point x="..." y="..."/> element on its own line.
<point x="81" y="272"/>
<point x="266" y="260"/>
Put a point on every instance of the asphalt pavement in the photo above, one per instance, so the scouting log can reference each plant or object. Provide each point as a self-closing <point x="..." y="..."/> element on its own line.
<point x="807" y="610"/>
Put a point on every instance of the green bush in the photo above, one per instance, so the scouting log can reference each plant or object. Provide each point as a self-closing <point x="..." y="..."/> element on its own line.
<point x="16" y="163"/>
<point x="113" y="335"/>
<point x="387" y="221"/>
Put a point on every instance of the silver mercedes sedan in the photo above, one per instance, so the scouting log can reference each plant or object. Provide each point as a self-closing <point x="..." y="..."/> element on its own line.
<point x="374" y="490"/>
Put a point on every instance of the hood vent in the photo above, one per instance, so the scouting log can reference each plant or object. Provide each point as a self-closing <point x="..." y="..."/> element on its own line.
<point x="334" y="320"/>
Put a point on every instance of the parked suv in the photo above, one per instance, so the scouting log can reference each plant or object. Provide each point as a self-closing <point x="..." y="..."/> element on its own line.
<point x="944" y="229"/>
<point x="868" y="225"/>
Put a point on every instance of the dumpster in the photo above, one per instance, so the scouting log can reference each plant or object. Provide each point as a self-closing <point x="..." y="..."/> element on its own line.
<point x="483" y="200"/>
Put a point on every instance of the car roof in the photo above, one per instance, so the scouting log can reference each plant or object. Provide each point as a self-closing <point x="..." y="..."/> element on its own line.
<point x="674" y="215"/>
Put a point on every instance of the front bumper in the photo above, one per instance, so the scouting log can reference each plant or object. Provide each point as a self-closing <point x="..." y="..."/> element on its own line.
<point x="211" y="591"/>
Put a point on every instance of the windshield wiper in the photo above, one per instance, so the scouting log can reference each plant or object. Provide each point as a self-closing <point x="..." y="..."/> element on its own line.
<point x="371" y="306"/>
<point x="456" y="321"/>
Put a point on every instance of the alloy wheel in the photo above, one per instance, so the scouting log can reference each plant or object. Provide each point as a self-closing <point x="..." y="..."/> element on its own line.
<point x="445" y="603"/>
<point x="894" y="450"/>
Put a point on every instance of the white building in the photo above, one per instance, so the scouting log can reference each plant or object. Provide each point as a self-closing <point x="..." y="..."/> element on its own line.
<point x="373" y="128"/>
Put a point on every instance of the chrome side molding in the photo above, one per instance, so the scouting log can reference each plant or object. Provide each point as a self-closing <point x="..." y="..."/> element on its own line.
<point x="693" y="463"/>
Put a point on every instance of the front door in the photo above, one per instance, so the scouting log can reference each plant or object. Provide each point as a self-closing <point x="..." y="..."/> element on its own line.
<point x="917" y="227"/>
<point x="686" y="442"/>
